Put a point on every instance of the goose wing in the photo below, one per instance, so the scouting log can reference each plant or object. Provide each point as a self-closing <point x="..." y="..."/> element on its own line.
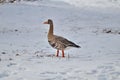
<point x="65" y="42"/>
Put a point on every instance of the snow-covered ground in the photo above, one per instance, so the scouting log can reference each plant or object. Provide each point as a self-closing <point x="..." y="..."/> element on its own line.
<point x="93" y="3"/>
<point x="26" y="55"/>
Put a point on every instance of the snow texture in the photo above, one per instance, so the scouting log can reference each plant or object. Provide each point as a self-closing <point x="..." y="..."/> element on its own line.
<point x="26" y="55"/>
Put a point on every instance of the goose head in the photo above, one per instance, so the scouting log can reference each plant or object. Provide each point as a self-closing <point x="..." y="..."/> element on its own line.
<point x="49" y="21"/>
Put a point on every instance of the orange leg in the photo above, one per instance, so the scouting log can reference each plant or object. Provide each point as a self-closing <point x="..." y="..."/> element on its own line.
<point x="63" y="53"/>
<point x="57" y="53"/>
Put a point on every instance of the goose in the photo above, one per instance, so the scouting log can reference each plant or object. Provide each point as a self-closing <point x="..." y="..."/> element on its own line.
<point x="58" y="42"/>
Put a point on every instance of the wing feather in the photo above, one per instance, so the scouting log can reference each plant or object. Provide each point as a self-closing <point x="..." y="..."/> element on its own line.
<point x="65" y="42"/>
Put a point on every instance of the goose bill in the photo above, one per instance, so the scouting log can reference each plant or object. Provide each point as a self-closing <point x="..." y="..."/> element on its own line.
<point x="45" y="22"/>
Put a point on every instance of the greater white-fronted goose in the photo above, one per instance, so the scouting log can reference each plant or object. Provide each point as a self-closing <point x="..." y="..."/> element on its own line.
<point x="58" y="42"/>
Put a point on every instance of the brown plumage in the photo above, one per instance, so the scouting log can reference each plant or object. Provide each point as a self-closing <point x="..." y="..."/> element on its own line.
<point x="58" y="42"/>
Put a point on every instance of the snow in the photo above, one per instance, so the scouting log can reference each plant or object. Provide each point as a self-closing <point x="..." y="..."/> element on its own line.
<point x="26" y="55"/>
<point x="93" y="3"/>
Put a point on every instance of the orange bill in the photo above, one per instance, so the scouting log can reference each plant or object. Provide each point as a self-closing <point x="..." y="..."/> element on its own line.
<point x="45" y="22"/>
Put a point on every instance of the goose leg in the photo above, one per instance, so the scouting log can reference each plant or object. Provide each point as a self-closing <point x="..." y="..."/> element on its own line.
<point x="63" y="53"/>
<point x="57" y="53"/>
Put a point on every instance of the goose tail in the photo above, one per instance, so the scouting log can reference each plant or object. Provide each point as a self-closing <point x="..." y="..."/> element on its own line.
<point x="77" y="46"/>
